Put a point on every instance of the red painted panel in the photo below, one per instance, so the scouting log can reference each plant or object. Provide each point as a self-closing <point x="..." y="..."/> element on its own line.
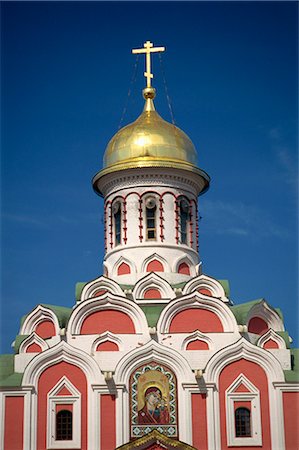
<point x="242" y="405"/>
<point x="123" y="269"/>
<point x="65" y="407"/>
<point x="64" y="391"/>
<point x="270" y="344"/>
<point x="108" y="422"/>
<point x="107" y="320"/>
<point x="48" y="379"/>
<point x="196" y="319"/>
<point x="241" y="388"/>
<point x="33" y="348"/>
<point x="184" y="268"/>
<point x="199" y="421"/>
<point x="152" y="293"/>
<point x="107" y="346"/>
<point x="197" y="344"/>
<point x="45" y="329"/>
<point x="257" y="325"/>
<point x="155" y="266"/>
<point x="291" y="414"/>
<point x="258" y="378"/>
<point x="100" y="292"/>
<point x="205" y="292"/>
<point x="13" y="423"/>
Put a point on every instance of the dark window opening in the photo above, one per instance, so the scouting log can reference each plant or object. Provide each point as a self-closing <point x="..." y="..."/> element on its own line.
<point x="150" y="219"/>
<point x="184" y="219"/>
<point x="242" y="422"/>
<point x="64" y="425"/>
<point x="117" y="222"/>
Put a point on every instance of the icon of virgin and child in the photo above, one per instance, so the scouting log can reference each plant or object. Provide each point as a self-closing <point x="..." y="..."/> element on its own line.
<point x="155" y="410"/>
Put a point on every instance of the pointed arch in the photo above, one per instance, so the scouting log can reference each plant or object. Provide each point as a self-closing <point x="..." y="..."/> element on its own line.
<point x="271" y="335"/>
<point x="107" y="337"/>
<point x="152" y="281"/>
<point x="179" y="262"/>
<point x="243" y="349"/>
<point x="107" y="302"/>
<point x="37" y="317"/>
<point x="31" y="340"/>
<point x="197" y="336"/>
<point x="204" y="282"/>
<point x="268" y="314"/>
<point x="127" y="262"/>
<point x="152" y="258"/>
<point x="94" y="287"/>
<point x="197" y="301"/>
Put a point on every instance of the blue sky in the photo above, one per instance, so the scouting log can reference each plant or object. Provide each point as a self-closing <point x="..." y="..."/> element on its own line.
<point x="231" y="74"/>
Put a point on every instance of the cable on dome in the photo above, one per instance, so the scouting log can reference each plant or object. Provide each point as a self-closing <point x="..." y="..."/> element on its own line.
<point x="133" y="79"/>
<point x="166" y="89"/>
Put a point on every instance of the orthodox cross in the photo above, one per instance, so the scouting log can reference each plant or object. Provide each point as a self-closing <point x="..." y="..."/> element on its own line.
<point x="148" y="49"/>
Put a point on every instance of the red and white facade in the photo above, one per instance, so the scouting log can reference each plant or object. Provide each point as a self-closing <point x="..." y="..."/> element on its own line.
<point x="153" y="320"/>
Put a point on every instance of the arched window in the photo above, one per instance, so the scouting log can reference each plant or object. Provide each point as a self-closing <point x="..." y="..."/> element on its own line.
<point x="242" y="422"/>
<point x="184" y="219"/>
<point x="64" y="425"/>
<point x="116" y="209"/>
<point x="150" y="211"/>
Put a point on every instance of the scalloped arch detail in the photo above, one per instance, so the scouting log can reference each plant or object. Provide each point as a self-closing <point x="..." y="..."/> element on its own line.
<point x="106" y="337"/>
<point x="204" y="282"/>
<point x="123" y="262"/>
<point x="37" y="316"/>
<point x="102" y="283"/>
<point x="271" y="335"/>
<point x="265" y="312"/>
<point x="152" y="258"/>
<point x="152" y="281"/>
<point x="33" y="339"/>
<point x="197" y="336"/>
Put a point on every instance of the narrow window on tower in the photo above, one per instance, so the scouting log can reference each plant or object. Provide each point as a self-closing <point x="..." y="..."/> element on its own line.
<point x="64" y="425"/>
<point x="242" y="422"/>
<point x="150" y="210"/>
<point x="116" y="209"/>
<point x="184" y="219"/>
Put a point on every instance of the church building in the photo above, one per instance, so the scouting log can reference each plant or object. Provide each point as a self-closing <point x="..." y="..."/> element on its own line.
<point x="154" y="354"/>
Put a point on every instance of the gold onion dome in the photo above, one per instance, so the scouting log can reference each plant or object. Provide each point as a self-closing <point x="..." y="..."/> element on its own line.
<point x="149" y="141"/>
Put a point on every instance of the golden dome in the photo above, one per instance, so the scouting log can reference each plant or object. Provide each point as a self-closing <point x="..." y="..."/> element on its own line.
<point x="148" y="142"/>
<point x="149" y="139"/>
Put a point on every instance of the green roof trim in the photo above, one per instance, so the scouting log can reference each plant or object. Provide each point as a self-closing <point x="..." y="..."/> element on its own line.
<point x="226" y="287"/>
<point x="78" y="289"/>
<point x="6" y="365"/>
<point x="19" y="339"/>
<point x="152" y="313"/>
<point x="241" y="311"/>
<point x="62" y="313"/>
<point x="14" y="380"/>
<point x="292" y="376"/>
<point x="286" y="337"/>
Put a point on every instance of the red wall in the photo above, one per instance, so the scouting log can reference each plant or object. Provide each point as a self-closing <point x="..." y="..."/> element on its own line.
<point x="291" y="414"/>
<point x="195" y="319"/>
<point x="258" y="378"/>
<point x="48" y="379"/>
<point x="107" y="320"/>
<point x="155" y="266"/>
<point x="45" y="329"/>
<point x="199" y="421"/>
<point x="197" y="344"/>
<point x="13" y="423"/>
<point x="108" y="422"/>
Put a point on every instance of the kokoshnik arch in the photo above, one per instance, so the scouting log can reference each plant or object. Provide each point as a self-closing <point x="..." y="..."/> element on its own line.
<point x="154" y="354"/>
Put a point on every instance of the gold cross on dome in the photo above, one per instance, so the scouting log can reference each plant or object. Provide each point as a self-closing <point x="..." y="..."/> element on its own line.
<point x="148" y="49"/>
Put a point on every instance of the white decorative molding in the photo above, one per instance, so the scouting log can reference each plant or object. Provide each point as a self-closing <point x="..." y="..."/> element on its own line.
<point x="152" y="281"/>
<point x="197" y="300"/>
<point x="33" y="339"/>
<point x="157" y="257"/>
<point x="252" y="395"/>
<point x="267" y="313"/>
<point x="205" y="282"/>
<point x="123" y="259"/>
<point x="188" y="261"/>
<point x="270" y="334"/>
<point x="38" y="315"/>
<point x="54" y="399"/>
<point x="104" y="337"/>
<point x="101" y="283"/>
<point x="107" y="301"/>
<point x="197" y="335"/>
